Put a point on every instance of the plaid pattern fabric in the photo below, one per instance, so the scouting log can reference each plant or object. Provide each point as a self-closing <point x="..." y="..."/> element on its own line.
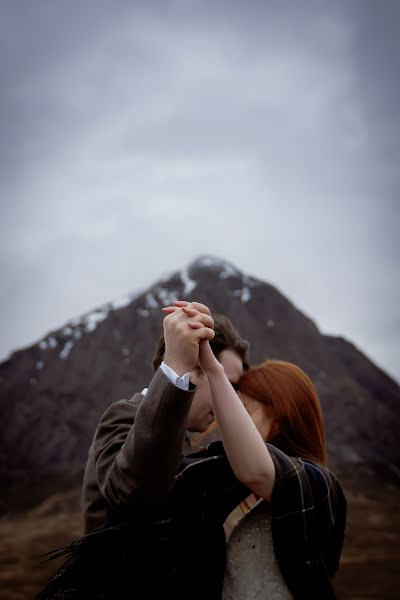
<point x="308" y="522"/>
<point x="308" y="511"/>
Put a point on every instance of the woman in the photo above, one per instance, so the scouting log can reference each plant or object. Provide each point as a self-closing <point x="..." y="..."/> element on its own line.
<point x="289" y="543"/>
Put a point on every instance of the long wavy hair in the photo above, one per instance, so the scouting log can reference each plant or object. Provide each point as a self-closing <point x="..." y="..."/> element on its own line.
<point x="289" y="394"/>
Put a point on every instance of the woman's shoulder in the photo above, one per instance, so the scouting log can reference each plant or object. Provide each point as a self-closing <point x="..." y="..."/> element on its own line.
<point x="296" y="468"/>
<point x="324" y="483"/>
<point x="304" y="482"/>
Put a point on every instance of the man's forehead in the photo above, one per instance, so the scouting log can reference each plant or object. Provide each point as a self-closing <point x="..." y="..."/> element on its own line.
<point x="232" y="364"/>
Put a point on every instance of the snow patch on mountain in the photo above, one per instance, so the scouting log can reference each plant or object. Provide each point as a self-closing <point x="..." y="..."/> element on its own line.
<point x="121" y="302"/>
<point x="224" y="268"/>
<point x="92" y="319"/>
<point x="151" y="302"/>
<point x="244" y="294"/>
<point x="166" y="296"/>
<point x="49" y="342"/>
<point x="188" y="283"/>
<point x="67" y="349"/>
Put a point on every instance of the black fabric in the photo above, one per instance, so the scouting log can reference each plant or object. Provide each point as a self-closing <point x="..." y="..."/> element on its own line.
<point x="95" y="568"/>
<point x="308" y="510"/>
<point x="180" y="552"/>
<point x="308" y="523"/>
<point x="106" y="566"/>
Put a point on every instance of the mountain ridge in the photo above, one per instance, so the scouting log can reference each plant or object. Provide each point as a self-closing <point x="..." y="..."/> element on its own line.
<point x="52" y="393"/>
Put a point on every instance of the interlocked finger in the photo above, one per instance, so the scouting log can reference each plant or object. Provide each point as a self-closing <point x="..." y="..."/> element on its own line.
<point x="170" y="309"/>
<point x="196" y="305"/>
<point x="201" y="317"/>
<point x="195" y="325"/>
<point x="200" y="307"/>
<point x="204" y="333"/>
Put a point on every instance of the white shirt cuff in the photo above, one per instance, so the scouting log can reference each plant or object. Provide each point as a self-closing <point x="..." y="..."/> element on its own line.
<point x="181" y="382"/>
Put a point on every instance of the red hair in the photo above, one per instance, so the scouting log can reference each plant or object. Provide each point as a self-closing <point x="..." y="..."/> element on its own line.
<point x="298" y="426"/>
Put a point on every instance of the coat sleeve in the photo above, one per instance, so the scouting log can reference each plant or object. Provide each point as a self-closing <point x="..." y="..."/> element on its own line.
<point x="308" y="521"/>
<point x="137" y="446"/>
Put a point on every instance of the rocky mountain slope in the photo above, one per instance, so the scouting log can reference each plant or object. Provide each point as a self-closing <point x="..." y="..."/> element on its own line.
<point x="53" y="393"/>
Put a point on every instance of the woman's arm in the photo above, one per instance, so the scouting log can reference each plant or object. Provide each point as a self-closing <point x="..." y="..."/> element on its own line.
<point x="246" y="450"/>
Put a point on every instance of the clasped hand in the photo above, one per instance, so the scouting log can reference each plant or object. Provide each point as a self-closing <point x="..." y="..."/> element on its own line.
<point x="188" y="327"/>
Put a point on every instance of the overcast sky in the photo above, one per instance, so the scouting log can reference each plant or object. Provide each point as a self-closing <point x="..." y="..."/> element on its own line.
<point x="137" y="135"/>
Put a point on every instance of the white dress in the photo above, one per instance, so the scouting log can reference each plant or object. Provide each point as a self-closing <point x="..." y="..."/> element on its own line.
<point x="252" y="572"/>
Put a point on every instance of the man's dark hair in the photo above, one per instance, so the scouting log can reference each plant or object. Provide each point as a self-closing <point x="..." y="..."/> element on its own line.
<point x="226" y="338"/>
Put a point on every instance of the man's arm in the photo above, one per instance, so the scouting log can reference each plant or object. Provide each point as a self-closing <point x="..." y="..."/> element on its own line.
<point x="137" y="448"/>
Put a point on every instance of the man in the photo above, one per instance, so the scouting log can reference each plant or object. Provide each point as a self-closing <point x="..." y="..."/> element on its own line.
<point x="147" y="536"/>
<point x="139" y="442"/>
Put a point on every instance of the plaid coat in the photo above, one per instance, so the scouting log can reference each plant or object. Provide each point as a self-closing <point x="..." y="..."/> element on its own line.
<point x="308" y="511"/>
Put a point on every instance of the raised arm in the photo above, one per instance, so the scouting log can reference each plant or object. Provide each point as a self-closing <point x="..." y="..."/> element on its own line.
<point x="246" y="450"/>
<point x="138" y="445"/>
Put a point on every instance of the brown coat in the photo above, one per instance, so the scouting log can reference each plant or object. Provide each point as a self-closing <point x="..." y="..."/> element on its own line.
<point x="135" y="452"/>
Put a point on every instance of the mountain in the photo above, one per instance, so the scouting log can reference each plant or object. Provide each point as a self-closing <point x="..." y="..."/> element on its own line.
<point x="53" y="393"/>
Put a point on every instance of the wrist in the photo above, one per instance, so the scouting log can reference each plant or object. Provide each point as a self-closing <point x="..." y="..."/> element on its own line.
<point x="176" y="365"/>
<point x="215" y="369"/>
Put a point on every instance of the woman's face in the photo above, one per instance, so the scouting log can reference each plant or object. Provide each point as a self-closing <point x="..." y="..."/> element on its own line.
<point x="260" y="413"/>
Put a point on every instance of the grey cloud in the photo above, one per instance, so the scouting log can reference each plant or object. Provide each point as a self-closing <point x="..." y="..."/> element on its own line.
<point x="123" y="128"/>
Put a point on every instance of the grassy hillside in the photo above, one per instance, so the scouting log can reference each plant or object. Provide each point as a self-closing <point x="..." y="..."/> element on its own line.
<point x="369" y="570"/>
